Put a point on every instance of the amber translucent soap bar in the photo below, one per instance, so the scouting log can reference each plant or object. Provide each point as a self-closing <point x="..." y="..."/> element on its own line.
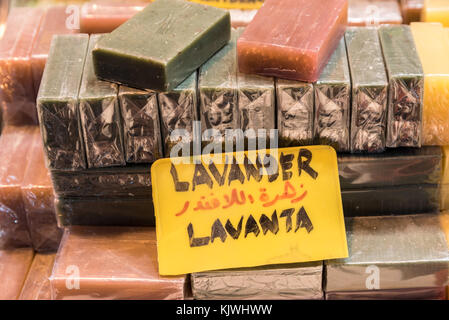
<point x="14" y="268"/>
<point x="37" y="283"/>
<point x="373" y="12"/>
<point x="112" y="263"/>
<point x="436" y="11"/>
<point x="17" y="94"/>
<point x="411" y="10"/>
<point x="292" y="39"/>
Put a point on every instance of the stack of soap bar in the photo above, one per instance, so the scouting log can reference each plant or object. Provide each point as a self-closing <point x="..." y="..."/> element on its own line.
<point x="406" y="87"/>
<point x="332" y="102"/>
<point x="406" y="254"/>
<point x="100" y="117"/>
<point x="15" y="265"/>
<point x="17" y="94"/>
<point x="162" y="45"/>
<point x="15" y="143"/>
<point x="141" y="131"/>
<point x="38" y="198"/>
<point x="112" y="263"/>
<point x="300" y="281"/>
<point x="53" y="22"/>
<point x="433" y="50"/>
<point x="411" y="10"/>
<point x="276" y="44"/>
<point x="369" y="90"/>
<point x="57" y="103"/>
<point x="37" y="284"/>
<point x="217" y="85"/>
<point x="178" y="111"/>
<point x="436" y="11"/>
<point x="373" y="12"/>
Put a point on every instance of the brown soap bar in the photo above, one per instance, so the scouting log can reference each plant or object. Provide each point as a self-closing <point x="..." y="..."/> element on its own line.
<point x="111" y="263"/>
<point x="37" y="284"/>
<point x="14" y="266"/>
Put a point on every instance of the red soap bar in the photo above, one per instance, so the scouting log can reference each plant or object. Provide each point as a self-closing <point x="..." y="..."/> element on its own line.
<point x="292" y="39"/>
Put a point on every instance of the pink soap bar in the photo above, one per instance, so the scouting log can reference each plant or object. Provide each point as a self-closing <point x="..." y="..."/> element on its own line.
<point x="17" y="94"/>
<point x="53" y="22"/>
<point x="14" y="266"/>
<point x="292" y="39"/>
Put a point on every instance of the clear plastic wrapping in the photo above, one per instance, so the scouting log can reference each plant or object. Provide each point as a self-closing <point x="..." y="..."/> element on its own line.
<point x="57" y="103"/>
<point x="14" y="268"/>
<point x="394" y="167"/>
<point x="100" y="117"/>
<point x="369" y="90"/>
<point x="402" y="252"/>
<point x="332" y="102"/>
<point x="406" y="87"/>
<point x="438" y="293"/>
<point x="141" y="132"/>
<point x="37" y="283"/>
<point x="373" y="12"/>
<point x="108" y="263"/>
<point x="300" y="281"/>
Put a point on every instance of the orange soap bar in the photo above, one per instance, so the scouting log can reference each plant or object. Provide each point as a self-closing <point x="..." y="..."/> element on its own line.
<point x="14" y="266"/>
<point x="37" y="284"/>
<point x="292" y="39"/>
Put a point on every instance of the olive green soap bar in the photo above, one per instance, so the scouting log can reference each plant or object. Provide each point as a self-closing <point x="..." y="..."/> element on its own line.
<point x="162" y="45"/>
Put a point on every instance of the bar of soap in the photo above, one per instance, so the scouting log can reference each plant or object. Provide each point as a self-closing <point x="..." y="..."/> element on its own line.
<point x="444" y="197"/>
<point x="38" y="199"/>
<point x="332" y="102"/>
<point x="445" y="165"/>
<point x="15" y="265"/>
<point x="294" y="112"/>
<point x="395" y="167"/>
<point x="17" y="94"/>
<point x="57" y="103"/>
<point x="37" y="284"/>
<point x="53" y="22"/>
<point x="141" y="131"/>
<point x="113" y="263"/>
<point x="292" y="39"/>
<point x="241" y="18"/>
<point x="436" y="11"/>
<point x="281" y="282"/>
<point x="217" y="86"/>
<point x="406" y="87"/>
<point x="373" y="12"/>
<point x="369" y="90"/>
<point x="411" y="10"/>
<point x="406" y="252"/>
<point x="435" y="293"/>
<point x="162" y="45"/>
<point x="100" y="117"/>
<point x="178" y="111"/>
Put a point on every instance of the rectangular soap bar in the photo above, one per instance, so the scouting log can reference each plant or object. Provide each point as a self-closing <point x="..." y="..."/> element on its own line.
<point x="276" y="44"/>
<point x="15" y="265"/>
<point x="100" y="117"/>
<point x="332" y="102"/>
<point x="433" y="52"/>
<point x="281" y="282"/>
<point x="406" y="87"/>
<point x="369" y="90"/>
<point x="411" y="10"/>
<point x="241" y="18"/>
<point x="373" y="12"/>
<point x="432" y="293"/>
<point x="178" y="111"/>
<point x="17" y="94"/>
<point x="38" y="199"/>
<point x="395" y="167"/>
<point x="406" y="251"/>
<point x="436" y="11"/>
<point x="444" y="197"/>
<point x="162" y="45"/>
<point x="57" y="103"/>
<point x="141" y="131"/>
<point x="114" y="263"/>
<point x="37" y="284"/>
<point x="445" y="165"/>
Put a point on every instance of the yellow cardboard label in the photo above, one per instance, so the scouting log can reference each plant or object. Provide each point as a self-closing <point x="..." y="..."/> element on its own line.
<point x="256" y="208"/>
<point x="233" y="4"/>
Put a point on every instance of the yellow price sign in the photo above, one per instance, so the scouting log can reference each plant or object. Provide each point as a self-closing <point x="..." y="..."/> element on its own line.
<point x="233" y="4"/>
<point x="248" y="209"/>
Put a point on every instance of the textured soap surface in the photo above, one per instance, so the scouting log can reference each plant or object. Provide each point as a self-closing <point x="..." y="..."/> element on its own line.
<point x="436" y="293"/>
<point x="57" y="103"/>
<point x="332" y="102"/>
<point x="373" y="12"/>
<point x="406" y="87"/>
<point x="15" y="265"/>
<point x="162" y="45"/>
<point x="114" y="263"/>
<point x="292" y="39"/>
<point x="369" y="90"/>
<point x="37" y="284"/>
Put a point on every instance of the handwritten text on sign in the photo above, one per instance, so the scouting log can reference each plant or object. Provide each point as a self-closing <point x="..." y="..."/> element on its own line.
<point x="254" y="208"/>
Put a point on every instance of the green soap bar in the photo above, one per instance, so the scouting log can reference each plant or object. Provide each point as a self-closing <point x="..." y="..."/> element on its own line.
<point x="57" y="103"/>
<point x="217" y="87"/>
<point x="162" y="45"/>
<point x="406" y="80"/>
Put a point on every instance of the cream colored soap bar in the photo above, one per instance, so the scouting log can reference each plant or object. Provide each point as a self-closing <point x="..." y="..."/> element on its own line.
<point x="436" y="11"/>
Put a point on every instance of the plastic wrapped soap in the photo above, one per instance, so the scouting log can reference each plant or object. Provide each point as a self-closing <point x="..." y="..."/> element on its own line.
<point x="332" y="102"/>
<point x="37" y="283"/>
<point x="373" y="12"/>
<point x="15" y="265"/>
<point x="369" y="90"/>
<point x="436" y="293"/>
<point x="112" y="263"/>
<point x="100" y="117"/>
<point x="261" y="283"/>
